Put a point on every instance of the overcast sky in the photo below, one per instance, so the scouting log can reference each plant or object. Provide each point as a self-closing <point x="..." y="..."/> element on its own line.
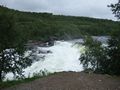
<point x="90" y="8"/>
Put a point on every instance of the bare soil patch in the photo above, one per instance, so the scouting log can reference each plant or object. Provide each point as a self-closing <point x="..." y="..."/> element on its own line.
<point x="72" y="81"/>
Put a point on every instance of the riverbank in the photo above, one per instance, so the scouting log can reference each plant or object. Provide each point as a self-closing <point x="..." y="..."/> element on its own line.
<point x="72" y="81"/>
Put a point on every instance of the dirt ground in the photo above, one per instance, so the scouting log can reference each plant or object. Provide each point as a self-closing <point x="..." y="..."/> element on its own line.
<point x="72" y="81"/>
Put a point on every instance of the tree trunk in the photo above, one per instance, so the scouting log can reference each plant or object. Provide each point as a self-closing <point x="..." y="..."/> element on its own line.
<point x="0" y="76"/>
<point x="1" y="66"/>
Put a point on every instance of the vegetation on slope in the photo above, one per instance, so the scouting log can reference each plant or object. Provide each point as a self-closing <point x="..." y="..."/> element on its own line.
<point x="42" y="26"/>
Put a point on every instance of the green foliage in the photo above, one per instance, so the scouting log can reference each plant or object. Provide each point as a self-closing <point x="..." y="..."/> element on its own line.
<point x="114" y="53"/>
<point x="42" y="26"/>
<point x="11" y="47"/>
<point x="102" y="59"/>
<point x="116" y="9"/>
<point x="94" y="55"/>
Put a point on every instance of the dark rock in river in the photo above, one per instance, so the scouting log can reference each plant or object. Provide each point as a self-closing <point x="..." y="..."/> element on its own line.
<point x="44" y="52"/>
<point x="33" y="43"/>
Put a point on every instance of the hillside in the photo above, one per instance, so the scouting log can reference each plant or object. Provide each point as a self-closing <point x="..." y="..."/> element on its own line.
<point x="72" y="81"/>
<point x="42" y="26"/>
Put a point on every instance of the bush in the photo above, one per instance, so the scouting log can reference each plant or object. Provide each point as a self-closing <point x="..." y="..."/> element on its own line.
<point x="102" y="59"/>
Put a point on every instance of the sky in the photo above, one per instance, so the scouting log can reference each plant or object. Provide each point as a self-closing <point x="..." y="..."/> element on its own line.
<point x="87" y="8"/>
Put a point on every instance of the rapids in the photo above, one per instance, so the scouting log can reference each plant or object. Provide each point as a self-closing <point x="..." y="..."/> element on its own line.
<point x="64" y="56"/>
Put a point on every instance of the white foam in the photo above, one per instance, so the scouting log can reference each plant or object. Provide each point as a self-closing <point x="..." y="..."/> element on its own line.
<point x="64" y="57"/>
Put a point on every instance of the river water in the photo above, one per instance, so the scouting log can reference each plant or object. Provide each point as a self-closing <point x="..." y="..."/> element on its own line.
<point x="63" y="56"/>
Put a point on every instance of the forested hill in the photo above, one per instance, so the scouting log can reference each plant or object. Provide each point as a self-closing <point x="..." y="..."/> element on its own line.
<point x="42" y="26"/>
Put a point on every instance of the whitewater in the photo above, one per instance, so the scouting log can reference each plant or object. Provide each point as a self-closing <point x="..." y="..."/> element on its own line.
<point x="63" y="56"/>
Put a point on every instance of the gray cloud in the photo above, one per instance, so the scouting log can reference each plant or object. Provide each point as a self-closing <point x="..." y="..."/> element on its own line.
<point x="90" y="8"/>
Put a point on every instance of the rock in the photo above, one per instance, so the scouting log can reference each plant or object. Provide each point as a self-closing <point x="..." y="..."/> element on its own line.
<point x="51" y="43"/>
<point x="44" y="51"/>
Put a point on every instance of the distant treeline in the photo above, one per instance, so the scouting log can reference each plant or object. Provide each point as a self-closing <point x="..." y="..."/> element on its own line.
<point x="43" y="26"/>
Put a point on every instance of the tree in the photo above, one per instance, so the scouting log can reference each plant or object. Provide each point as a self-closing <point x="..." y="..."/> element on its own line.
<point x="114" y="44"/>
<point x="113" y="53"/>
<point x="104" y="59"/>
<point x="11" y="47"/>
<point x="116" y="9"/>
<point x="94" y="55"/>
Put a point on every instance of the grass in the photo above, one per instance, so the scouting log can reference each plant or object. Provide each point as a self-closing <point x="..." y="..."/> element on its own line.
<point x="16" y="82"/>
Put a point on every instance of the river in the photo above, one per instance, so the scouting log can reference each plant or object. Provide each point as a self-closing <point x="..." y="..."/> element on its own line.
<point x="63" y="56"/>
